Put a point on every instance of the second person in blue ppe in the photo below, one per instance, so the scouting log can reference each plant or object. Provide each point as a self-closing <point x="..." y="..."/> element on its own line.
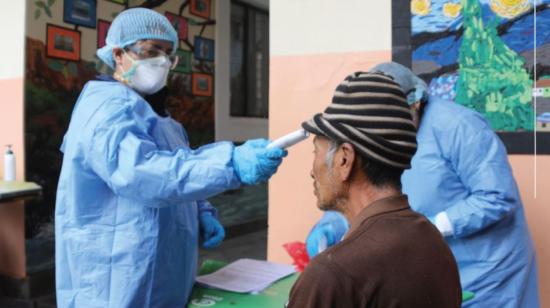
<point x="461" y="180"/>
<point x="131" y="195"/>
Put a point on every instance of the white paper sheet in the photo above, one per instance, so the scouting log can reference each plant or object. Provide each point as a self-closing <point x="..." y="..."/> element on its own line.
<point x="246" y="275"/>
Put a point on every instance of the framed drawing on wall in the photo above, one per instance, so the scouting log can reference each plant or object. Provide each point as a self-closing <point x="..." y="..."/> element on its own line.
<point x="102" y="28"/>
<point x="184" y="62"/>
<point x="200" y="8"/>
<point x="180" y="24"/>
<point x="201" y="84"/>
<point x="204" y="49"/>
<point x="62" y="43"/>
<point x="480" y="54"/>
<point x="80" y="12"/>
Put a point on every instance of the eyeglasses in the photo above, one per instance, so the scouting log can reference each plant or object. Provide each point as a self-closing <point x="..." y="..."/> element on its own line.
<point x="152" y="52"/>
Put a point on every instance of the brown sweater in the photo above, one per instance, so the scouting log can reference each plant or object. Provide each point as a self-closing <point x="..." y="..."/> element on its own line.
<point x="391" y="257"/>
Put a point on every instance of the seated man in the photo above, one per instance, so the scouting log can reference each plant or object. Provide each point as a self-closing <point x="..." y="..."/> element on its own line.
<point x="391" y="256"/>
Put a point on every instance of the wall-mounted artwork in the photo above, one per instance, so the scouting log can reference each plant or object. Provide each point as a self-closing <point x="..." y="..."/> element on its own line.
<point x="180" y="24"/>
<point x="80" y="12"/>
<point x="184" y="62"/>
<point x="102" y="29"/>
<point x="200" y="8"/>
<point x="62" y="43"/>
<point x="202" y="84"/>
<point x="480" y="53"/>
<point x="204" y="49"/>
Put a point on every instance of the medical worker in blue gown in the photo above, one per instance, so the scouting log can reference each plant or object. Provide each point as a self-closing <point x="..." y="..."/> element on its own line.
<point x="131" y="196"/>
<point x="461" y="180"/>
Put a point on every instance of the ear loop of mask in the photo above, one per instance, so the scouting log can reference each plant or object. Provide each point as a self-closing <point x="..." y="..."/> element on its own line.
<point x="126" y="76"/>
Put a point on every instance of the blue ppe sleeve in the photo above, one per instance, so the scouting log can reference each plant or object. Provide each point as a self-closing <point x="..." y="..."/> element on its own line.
<point x="481" y="162"/>
<point x="327" y="232"/>
<point x="205" y="206"/>
<point x="212" y="231"/>
<point x="125" y="156"/>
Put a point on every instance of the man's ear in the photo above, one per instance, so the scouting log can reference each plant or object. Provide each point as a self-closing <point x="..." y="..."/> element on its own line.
<point x="344" y="161"/>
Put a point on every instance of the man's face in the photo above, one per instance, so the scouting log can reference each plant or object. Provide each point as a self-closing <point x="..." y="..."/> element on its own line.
<point x="324" y="187"/>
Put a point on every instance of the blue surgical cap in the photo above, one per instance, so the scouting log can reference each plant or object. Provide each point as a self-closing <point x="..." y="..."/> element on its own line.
<point x="133" y="25"/>
<point x="414" y="87"/>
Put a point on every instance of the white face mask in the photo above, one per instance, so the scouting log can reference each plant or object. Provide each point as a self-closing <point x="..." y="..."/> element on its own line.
<point x="148" y="76"/>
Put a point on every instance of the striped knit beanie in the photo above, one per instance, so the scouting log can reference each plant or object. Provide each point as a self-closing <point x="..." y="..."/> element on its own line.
<point x="370" y="111"/>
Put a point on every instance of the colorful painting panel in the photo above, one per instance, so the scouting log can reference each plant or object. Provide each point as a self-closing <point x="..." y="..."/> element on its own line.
<point x="102" y="28"/>
<point x="204" y="49"/>
<point x="200" y="8"/>
<point x="202" y="84"/>
<point x="184" y="62"/>
<point x="80" y="12"/>
<point x="180" y="24"/>
<point x="481" y="54"/>
<point x="62" y="43"/>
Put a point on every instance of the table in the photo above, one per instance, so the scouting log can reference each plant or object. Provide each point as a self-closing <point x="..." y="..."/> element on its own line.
<point x="274" y="296"/>
<point x="10" y="191"/>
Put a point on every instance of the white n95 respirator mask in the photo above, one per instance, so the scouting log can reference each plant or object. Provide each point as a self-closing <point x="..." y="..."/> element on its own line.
<point x="147" y="76"/>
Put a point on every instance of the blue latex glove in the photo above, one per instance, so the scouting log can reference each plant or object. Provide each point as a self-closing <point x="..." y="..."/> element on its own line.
<point x="212" y="231"/>
<point x="254" y="163"/>
<point x="328" y="231"/>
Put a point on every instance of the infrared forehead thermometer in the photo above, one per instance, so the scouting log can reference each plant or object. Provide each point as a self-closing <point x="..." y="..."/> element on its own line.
<point x="289" y="140"/>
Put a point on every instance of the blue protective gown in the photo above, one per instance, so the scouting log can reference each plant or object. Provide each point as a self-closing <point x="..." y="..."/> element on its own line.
<point x="461" y="167"/>
<point x="129" y="194"/>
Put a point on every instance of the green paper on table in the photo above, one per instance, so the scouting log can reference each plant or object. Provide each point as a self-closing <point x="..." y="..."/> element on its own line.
<point x="275" y="295"/>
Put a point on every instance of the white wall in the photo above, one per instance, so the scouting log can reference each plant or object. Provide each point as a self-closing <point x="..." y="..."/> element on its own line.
<point x="227" y="127"/>
<point x="12" y="31"/>
<point x="328" y="26"/>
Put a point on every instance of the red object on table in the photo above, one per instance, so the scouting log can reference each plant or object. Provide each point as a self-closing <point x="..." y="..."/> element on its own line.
<point x="298" y="253"/>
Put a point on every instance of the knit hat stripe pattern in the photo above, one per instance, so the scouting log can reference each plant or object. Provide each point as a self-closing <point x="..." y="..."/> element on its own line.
<point x="366" y="146"/>
<point x="370" y="111"/>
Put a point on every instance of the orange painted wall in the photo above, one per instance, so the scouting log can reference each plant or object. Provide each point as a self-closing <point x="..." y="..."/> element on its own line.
<point x="12" y="239"/>
<point x="12" y="229"/>
<point x="537" y="212"/>
<point x="11" y="122"/>
<point x="299" y="87"/>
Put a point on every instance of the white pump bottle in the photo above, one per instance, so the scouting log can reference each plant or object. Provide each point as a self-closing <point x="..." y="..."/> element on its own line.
<point x="9" y="165"/>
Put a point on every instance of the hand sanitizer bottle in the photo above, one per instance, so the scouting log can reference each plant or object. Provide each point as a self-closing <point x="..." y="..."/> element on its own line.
<point x="9" y="165"/>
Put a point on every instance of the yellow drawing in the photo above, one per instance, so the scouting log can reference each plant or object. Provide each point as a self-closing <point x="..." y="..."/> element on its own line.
<point x="421" y="7"/>
<point x="451" y="10"/>
<point x="510" y="8"/>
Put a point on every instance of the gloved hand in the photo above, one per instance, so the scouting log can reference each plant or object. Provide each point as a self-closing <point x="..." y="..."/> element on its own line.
<point x="254" y="163"/>
<point x="328" y="231"/>
<point x="212" y="231"/>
